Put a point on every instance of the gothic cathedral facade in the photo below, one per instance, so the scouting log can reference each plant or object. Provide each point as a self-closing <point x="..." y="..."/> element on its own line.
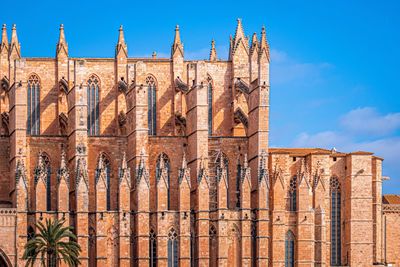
<point x="166" y="162"/>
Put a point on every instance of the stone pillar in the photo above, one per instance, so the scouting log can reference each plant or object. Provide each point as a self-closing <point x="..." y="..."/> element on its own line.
<point x="162" y="215"/>
<point x="77" y="155"/>
<point x="184" y="215"/>
<point x="222" y="201"/>
<point x="124" y="214"/>
<point x="258" y="129"/>
<point x="102" y="216"/>
<point x="197" y="132"/>
<point x="21" y="204"/>
<point x="377" y="209"/>
<point x="137" y="108"/>
<point x="18" y="116"/>
<point x="279" y="215"/>
<point x="359" y="210"/>
<point x="305" y="238"/>
<point x="245" y="207"/>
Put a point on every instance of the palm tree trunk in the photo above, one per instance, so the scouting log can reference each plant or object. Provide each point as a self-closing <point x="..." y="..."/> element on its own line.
<point x="51" y="260"/>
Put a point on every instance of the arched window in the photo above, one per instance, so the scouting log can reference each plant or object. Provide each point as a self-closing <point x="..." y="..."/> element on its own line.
<point x="33" y="122"/>
<point x="293" y="194"/>
<point x="93" y="97"/>
<point x="153" y="249"/>
<point x="152" y="105"/>
<point x="167" y="165"/>
<point x="336" y="248"/>
<point x="173" y="249"/>
<point x="289" y="249"/>
<point x="213" y="246"/>
<point x="210" y="105"/>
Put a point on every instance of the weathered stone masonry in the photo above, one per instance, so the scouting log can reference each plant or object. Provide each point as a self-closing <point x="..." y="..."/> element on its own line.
<point x="166" y="161"/>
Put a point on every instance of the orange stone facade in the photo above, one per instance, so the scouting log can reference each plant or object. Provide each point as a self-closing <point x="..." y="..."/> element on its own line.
<point x="166" y="162"/>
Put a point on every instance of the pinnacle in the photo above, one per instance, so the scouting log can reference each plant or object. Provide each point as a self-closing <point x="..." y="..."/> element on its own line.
<point x="4" y="39"/>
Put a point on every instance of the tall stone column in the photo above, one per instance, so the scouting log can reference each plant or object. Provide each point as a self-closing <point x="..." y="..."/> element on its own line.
<point x="124" y="213"/>
<point x="246" y="216"/>
<point x="184" y="214"/>
<point x="278" y="165"/>
<point x="197" y="132"/>
<point x="258" y="130"/>
<point x="137" y="111"/>
<point x="162" y="216"/>
<point x="77" y="155"/>
<point x="358" y="210"/>
<point x="222" y="201"/>
<point x="102" y="216"/>
<point x="21" y="204"/>
<point x="305" y="240"/>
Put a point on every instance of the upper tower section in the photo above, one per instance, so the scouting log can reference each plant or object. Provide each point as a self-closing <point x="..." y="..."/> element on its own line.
<point x="239" y="52"/>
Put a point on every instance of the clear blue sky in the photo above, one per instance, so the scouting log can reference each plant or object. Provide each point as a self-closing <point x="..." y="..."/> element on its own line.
<point x="334" y="64"/>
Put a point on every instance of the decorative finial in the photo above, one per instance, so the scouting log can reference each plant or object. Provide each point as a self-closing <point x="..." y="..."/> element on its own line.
<point x="213" y="52"/>
<point x="4" y="38"/>
<point x="124" y="164"/>
<point x="121" y="45"/>
<point x="62" y="43"/>
<point x="245" y="162"/>
<point x="184" y="162"/>
<point x="154" y="55"/>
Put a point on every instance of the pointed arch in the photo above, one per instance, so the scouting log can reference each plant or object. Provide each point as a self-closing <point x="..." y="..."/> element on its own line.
<point x="173" y="253"/>
<point x="151" y="83"/>
<point x="167" y="166"/>
<point x="153" y="248"/>
<point x="107" y="168"/>
<point x="289" y="249"/>
<point x="33" y="105"/>
<point x="293" y="194"/>
<point x="93" y="105"/>
<point x="336" y="231"/>
<point x="4" y="260"/>
<point x="210" y="104"/>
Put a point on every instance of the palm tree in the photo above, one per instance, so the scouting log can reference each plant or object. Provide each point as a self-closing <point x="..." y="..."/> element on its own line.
<point x="54" y="242"/>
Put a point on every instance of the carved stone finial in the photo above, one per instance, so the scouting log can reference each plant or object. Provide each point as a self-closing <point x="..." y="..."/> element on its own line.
<point x="213" y="51"/>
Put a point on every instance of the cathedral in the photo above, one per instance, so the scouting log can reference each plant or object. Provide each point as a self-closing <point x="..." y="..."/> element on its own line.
<point x="166" y="162"/>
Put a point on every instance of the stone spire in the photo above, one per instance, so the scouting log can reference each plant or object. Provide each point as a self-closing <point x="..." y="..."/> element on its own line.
<point x="63" y="172"/>
<point x="239" y="41"/>
<point x="213" y="52"/>
<point x="264" y="47"/>
<point x="4" y="38"/>
<point x="121" y="45"/>
<point x="62" y="43"/>
<point x="254" y="43"/>
<point x="177" y="45"/>
<point x="239" y="34"/>
<point x="15" y="45"/>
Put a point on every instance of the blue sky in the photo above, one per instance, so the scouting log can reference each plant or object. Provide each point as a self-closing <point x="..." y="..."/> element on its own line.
<point x="334" y="64"/>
